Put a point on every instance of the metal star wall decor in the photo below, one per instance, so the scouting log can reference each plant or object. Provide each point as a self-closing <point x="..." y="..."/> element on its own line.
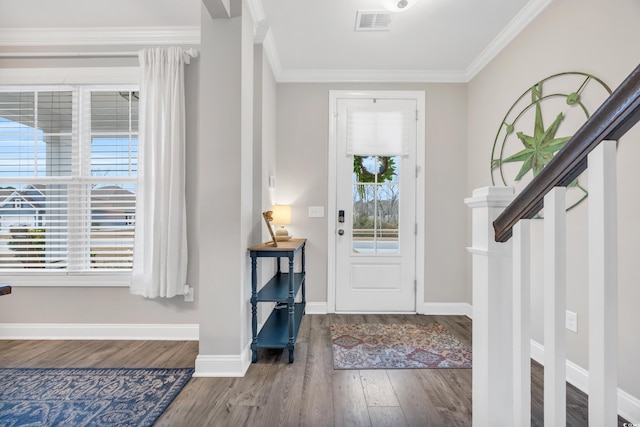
<point x="524" y="145"/>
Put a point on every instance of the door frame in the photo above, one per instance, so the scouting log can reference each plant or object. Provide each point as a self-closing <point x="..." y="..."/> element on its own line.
<point x="332" y="214"/>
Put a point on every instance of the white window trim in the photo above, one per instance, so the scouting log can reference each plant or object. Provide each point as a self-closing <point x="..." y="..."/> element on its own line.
<point x="100" y="77"/>
<point x="70" y="279"/>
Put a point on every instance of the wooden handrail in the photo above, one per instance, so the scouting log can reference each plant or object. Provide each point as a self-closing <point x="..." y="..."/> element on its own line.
<point x="619" y="113"/>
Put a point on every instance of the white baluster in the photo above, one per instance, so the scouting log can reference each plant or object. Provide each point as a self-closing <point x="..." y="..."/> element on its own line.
<point x="555" y="273"/>
<point x="492" y="312"/>
<point x="603" y="298"/>
<point x="521" y="324"/>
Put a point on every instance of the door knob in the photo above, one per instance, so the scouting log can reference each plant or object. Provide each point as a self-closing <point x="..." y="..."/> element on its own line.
<point x="341" y="231"/>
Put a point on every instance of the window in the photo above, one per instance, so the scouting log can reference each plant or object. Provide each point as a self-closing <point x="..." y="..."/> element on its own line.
<point x="70" y="156"/>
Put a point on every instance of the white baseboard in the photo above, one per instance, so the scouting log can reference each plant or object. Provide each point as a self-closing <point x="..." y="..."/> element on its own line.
<point x="628" y="405"/>
<point x="77" y="331"/>
<point x="446" y="309"/>
<point x="228" y="365"/>
<point x="316" y="308"/>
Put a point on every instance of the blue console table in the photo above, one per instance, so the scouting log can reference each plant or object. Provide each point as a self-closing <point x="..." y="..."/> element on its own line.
<point x="281" y="328"/>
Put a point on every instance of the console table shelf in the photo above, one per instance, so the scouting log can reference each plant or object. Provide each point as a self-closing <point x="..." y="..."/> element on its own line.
<point x="277" y="289"/>
<point x="281" y="328"/>
<point x="275" y="332"/>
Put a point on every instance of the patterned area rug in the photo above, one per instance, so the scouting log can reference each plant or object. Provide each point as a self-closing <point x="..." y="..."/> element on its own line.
<point x="380" y="346"/>
<point x="87" y="397"/>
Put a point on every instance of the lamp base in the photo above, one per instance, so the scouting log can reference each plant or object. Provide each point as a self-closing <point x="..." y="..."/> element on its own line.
<point x="282" y="234"/>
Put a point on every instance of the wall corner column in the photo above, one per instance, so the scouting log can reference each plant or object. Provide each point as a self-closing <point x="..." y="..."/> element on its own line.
<point x="224" y="196"/>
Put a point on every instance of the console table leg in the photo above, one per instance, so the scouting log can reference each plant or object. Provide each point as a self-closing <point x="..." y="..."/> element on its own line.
<point x="254" y="310"/>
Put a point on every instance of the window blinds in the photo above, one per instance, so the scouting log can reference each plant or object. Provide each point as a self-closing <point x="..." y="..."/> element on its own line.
<point x="68" y="164"/>
<point x="378" y="130"/>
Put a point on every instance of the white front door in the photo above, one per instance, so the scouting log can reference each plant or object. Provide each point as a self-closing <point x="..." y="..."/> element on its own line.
<point x="375" y="242"/>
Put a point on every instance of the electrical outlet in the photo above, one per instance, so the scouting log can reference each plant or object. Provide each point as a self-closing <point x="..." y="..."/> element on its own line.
<point x="571" y="321"/>
<point x="188" y="296"/>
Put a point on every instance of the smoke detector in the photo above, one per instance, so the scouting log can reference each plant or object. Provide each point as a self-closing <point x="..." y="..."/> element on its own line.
<point x="373" y="20"/>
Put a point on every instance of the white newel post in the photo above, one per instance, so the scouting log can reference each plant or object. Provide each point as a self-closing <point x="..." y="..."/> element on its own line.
<point x="492" y="311"/>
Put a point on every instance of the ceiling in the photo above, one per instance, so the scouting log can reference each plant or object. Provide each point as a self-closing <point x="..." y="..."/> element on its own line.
<point x="436" y="40"/>
<point x="305" y="40"/>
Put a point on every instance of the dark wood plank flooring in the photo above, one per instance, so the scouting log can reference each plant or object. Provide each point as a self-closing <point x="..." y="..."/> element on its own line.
<point x="308" y="392"/>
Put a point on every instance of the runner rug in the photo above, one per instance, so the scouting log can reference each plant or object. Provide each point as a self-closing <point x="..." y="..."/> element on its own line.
<point x="397" y="346"/>
<point x="86" y="396"/>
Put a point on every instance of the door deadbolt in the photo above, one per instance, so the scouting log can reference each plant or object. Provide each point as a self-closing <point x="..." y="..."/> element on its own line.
<point x="341" y="231"/>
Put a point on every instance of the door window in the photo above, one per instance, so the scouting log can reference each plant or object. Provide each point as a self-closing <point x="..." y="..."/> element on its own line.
<point x="376" y="202"/>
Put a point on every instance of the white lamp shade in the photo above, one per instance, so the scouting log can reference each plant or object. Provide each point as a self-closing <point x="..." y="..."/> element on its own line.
<point x="398" y="5"/>
<point x="281" y="214"/>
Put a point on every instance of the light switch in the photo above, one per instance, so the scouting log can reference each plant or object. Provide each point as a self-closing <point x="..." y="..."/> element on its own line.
<point x="316" y="211"/>
<point x="572" y="321"/>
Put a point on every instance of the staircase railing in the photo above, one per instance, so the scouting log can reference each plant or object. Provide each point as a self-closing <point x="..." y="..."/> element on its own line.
<point x="501" y="270"/>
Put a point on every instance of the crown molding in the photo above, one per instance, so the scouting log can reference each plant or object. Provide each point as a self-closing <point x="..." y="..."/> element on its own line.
<point x="256" y="10"/>
<point x="270" y="49"/>
<point x="99" y="36"/>
<point x="370" y="76"/>
<point x="531" y="10"/>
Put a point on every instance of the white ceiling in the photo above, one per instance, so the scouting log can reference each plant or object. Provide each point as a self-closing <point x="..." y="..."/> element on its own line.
<point x="436" y="40"/>
<point x="305" y="40"/>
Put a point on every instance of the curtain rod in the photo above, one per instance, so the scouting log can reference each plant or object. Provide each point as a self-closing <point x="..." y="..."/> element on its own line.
<point x="128" y="54"/>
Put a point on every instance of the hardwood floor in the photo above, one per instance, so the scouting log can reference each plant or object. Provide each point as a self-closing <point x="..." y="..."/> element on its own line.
<point x="308" y="392"/>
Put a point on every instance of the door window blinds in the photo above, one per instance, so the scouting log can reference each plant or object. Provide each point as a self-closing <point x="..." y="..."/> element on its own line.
<point x="379" y="130"/>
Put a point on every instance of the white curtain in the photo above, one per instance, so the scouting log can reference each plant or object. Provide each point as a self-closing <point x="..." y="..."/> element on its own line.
<point x="160" y="245"/>
<point x="378" y="131"/>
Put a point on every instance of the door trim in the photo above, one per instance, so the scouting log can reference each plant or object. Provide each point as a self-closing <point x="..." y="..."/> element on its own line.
<point x="332" y="215"/>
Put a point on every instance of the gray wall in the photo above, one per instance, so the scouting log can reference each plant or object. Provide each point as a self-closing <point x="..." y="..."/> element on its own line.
<point x="302" y="159"/>
<point x="597" y="37"/>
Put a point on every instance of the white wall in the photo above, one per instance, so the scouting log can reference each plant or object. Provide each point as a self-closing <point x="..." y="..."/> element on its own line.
<point x="302" y="159"/>
<point x="601" y="38"/>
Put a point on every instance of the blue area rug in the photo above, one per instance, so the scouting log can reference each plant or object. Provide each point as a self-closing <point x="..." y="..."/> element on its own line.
<point x="87" y="396"/>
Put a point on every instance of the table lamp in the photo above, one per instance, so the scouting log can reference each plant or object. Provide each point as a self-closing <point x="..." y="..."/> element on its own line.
<point x="282" y="217"/>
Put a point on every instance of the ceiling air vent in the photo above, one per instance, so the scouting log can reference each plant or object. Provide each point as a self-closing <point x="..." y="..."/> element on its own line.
<point x="373" y="20"/>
